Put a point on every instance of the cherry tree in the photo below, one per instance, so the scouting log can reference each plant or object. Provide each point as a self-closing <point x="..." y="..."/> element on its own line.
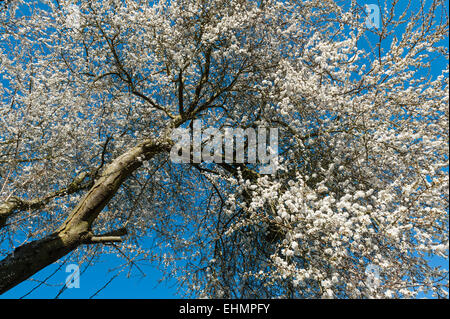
<point x="92" y="91"/>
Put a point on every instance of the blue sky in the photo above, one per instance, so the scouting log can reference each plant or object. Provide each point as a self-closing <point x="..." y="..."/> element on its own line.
<point x="94" y="279"/>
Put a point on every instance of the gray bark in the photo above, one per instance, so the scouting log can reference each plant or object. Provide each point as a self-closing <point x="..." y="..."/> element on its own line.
<point x="30" y="258"/>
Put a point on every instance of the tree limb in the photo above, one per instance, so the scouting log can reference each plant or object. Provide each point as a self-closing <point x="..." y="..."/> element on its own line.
<point x="30" y="258"/>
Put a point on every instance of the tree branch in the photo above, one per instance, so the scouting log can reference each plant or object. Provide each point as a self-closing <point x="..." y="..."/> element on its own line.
<point x="15" y="204"/>
<point x="28" y="259"/>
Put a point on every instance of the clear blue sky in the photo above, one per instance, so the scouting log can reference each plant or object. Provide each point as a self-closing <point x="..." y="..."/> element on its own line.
<point x="95" y="278"/>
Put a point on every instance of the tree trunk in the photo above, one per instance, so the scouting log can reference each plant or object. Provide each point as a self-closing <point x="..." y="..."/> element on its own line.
<point x="30" y="258"/>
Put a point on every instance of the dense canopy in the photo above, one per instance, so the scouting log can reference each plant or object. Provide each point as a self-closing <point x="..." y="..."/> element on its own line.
<point x="91" y="92"/>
